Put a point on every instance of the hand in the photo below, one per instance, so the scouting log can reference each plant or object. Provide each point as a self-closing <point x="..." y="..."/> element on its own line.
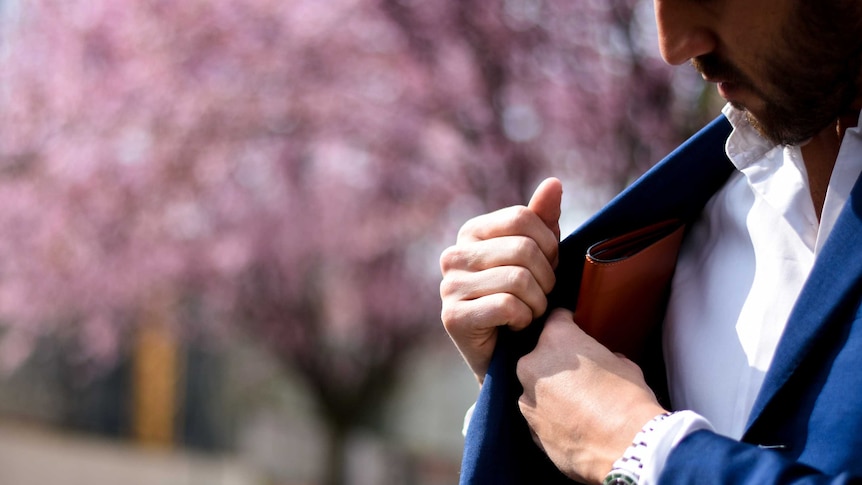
<point x="499" y="273"/>
<point x="583" y="403"/>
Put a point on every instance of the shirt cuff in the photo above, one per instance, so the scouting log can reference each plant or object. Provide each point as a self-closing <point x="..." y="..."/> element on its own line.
<point x="660" y="441"/>
<point x="467" y="416"/>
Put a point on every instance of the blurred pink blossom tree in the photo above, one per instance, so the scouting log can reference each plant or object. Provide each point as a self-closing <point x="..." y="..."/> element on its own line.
<point x="292" y="169"/>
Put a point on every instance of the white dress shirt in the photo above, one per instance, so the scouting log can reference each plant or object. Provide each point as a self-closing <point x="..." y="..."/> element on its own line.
<point x="739" y="273"/>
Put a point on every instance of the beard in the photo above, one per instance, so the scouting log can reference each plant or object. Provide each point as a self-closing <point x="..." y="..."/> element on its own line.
<point x="809" y="78"/>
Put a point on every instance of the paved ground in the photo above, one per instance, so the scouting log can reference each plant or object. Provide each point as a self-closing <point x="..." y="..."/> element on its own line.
<point x="32" y="456"/>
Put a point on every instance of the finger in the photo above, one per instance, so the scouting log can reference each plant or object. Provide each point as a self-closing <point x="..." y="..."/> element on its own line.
<point x="527" y="407"/>
<point x="513" y="280"/>
<point x="561" y="316"/>
<point x="511" y="221"/>
<point x="546" y="202"/>
<point x="474" y="318"/>
<point x="632" y="366"/>
<point x="561" y="330"/>
<point x="504" y="251"/>
<point x="524" y="372"/>
<point x="536" y="440"/>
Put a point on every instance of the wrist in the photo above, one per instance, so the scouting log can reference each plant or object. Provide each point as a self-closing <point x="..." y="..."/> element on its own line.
<point x="627" y="469"/>
<point x="632" y="421"/>
<point x="652" y="446"/>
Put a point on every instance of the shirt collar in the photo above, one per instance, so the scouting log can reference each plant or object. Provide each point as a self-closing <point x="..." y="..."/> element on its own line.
<point x="759" y="159"/>
<point x="775" y="172"/>
<point x="745" y="145"/>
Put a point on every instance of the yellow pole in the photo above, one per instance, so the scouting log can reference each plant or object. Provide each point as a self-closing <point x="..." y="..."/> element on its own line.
<point x="155" y="369"/>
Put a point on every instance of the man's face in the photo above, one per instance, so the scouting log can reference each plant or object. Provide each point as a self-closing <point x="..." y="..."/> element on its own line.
<point x="793" y="65"/>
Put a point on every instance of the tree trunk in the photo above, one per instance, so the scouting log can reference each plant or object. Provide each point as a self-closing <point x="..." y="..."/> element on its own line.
<point x="335" y="464"/>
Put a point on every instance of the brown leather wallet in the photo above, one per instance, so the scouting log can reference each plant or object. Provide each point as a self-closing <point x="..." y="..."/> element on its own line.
<point x="625" y="286"/>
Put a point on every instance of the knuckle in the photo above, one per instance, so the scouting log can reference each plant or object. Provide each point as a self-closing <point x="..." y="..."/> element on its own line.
<point x="449" y="315"/>
<point x="556" y="328"/>
<point x="524" y="372"/>
<point x="450" y="258"/>
<point x="631" y="365"/>
<point x="471" y="227"/>
<point x="526" y="246"/>
<point x="554" y="252"/>
<point x="553" y="333"/>
<point x="449" y="286"/>
<point x="514" y="311"/>
<point x="520" y="279"/>
<point x="521" y="371"/>
<point x="521" y="215"/>
<point x="541" y="307"/>
<point x="547" y="284"/>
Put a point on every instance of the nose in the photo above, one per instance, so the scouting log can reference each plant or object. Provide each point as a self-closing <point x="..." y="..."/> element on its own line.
<point x="683" y="31"/>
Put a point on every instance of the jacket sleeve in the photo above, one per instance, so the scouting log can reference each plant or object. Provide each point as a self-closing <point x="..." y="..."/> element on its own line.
<point x="706" y="458"/>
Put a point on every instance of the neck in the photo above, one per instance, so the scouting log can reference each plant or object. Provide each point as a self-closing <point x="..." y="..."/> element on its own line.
<point x="820" y="154"/>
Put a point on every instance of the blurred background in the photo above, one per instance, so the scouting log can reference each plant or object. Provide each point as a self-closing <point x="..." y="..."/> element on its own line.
<point x="220" y="220"/>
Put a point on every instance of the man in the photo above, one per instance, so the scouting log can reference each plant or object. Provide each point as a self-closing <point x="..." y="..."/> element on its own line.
<point x="761" y="344"/>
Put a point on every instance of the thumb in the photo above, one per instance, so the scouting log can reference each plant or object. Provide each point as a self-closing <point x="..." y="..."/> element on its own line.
<point x="546" y="203"/>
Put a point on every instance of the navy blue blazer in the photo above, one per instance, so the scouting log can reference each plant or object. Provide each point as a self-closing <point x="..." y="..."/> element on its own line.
<point x="806" y="424"/>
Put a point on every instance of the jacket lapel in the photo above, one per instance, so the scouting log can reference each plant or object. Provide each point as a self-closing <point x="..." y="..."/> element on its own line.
<point x="834" y="279"/>
<point x="676" y="188"/>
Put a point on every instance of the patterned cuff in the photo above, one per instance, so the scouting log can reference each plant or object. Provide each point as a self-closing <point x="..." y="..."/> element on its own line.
<point x="643" y="461"/>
